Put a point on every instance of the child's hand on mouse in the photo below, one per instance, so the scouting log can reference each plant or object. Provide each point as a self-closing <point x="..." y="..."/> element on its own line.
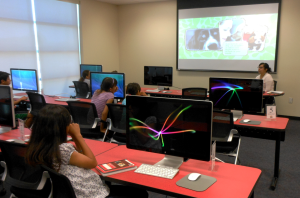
<point x="74" y="130"/>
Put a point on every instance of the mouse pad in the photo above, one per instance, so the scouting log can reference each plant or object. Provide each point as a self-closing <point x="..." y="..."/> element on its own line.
<point x="201" y="184"/>
<point x="251" y="122"/>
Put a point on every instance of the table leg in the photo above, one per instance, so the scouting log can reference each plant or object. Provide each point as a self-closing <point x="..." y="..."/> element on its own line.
<point x="276" y="165"/>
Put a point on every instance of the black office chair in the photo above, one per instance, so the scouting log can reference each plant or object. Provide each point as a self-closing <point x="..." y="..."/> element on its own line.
<point x="85" y="114"/>
<point x="37" y="102"/>
<point x="194" y="93"/>
<point x="62" y="187"/>
<point x="25" y="181"/>
<point x="227" y="138"/>
<point x="117" y="123"/>
<point x="275" y="85"/>
<point x="82" y="89"/>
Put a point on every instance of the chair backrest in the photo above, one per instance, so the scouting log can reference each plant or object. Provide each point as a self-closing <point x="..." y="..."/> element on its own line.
<point x="117" y="114"/>
<point x="37" y="102"/>
<point x="18" y="172"/>
<point x="82" y="89"/>
<point x="62" y="187"/>
<point x="83" y="113"/>
<point x="275" y="84"/>
<point x="222" y="124"/>
<point x="194" y="93"/>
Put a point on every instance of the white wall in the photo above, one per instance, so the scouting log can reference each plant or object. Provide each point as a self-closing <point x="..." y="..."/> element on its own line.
<point x="99" y="34"/>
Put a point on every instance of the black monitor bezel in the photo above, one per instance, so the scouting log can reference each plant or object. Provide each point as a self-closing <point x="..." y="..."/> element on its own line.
<point x="88" y="65"/>
<point x="159" y="67"/>
<point x="207" y="157"/>
<point x="242" y="109"/>
<point x="36" y="78"/>
<point x="112" y="74"/>
<point x="13" y="123"/>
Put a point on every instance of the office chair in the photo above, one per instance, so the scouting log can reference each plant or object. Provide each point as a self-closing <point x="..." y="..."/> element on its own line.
<point x="82" y="89"/>
<point x="116" y="122"/>
<point x="26" y="181"/>
<point x="85" y="114"/>
<point x="275" y="84"/>
<point x="61" y="185"/>
<point x="227" y="139"/>
<point x="194" y="93"/>
<point x="37" y="102"/>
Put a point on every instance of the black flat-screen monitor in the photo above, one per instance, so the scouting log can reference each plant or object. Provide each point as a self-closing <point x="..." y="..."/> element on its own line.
<point x="97" y="78"/>
<point x="161" y="76"/>
<point x="176" y="127"/>
<point x="236" y="93"/>
<point x="24" y="79"/>
<point x="91" y="68"/>
<point x="7" y="111"/>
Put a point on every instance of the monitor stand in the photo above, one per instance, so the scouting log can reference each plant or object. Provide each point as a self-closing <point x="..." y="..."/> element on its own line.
<point x="4" y="129"/>
<point x="237" y="114"/>
<point x="171" y="161"/>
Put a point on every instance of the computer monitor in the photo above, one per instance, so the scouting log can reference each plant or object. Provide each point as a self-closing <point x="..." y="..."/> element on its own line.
<point x="175" y="127"/>
<point x="97" y="78"/>
<point x="24" y="79"/>
<point x="154" y="75"/>
<point x="91" y="68"/>
<point x="7" y="112"/>
<point x="236" y="93"/>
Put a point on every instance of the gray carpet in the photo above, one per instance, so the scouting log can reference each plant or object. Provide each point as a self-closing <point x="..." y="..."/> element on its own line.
<point x="260" y="154"/>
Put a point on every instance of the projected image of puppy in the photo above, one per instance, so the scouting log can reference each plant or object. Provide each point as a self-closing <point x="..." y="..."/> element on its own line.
<point x="203" y="39"/>
<point x="256" y="41"/>
<point x="237" y="30"/>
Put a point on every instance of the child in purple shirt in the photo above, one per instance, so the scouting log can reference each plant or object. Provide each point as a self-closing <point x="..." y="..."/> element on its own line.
<point x="104" y="96"/>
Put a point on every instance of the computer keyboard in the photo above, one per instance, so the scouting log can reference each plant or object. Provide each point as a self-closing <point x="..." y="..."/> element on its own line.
<point x="152" y="90"/>
<point x="20" y="96"/>
<point x="67" y="99"/>
<point x="227" y="118"/>
<point x="158" y="171"/>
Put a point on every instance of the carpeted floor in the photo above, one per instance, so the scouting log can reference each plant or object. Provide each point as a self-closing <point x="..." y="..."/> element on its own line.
<point x="260" y="154"/>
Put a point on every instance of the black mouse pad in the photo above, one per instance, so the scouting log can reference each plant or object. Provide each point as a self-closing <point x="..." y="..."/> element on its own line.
<point x="201" y="184"/>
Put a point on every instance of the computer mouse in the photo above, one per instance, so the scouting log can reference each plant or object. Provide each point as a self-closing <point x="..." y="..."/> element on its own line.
<point x="246" y="120"/>
<point x="194" y="176"/>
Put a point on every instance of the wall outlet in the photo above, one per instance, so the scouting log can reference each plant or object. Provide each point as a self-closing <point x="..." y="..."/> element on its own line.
<point x="291" y="100"/>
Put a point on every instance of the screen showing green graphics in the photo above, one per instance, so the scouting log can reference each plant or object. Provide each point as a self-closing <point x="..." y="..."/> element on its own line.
<point x="233" y="38"/>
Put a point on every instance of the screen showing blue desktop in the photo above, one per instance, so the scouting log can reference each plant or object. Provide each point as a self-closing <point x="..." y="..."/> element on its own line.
<point x="91" y="68"/>
<point x="24" y="79"/>
<point x="97" y="78"/>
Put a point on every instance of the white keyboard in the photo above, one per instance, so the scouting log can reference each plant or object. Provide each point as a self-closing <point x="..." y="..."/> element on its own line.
<point x="67" y="99"/>
<point x="152" y="90"/>
<point x="20" y="96"/>
<point x="158" y="171"/>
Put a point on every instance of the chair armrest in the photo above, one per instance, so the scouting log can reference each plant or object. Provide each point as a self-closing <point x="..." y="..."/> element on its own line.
<point x="96" y="121"/>
<point x="3" y="164"/>
<point x="43" y="180"/>
<point x="108" y="120"/>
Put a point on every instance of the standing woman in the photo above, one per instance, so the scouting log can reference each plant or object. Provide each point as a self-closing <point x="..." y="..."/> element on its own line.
<point x="86" y="75"/>
<point x="263" y="70"/>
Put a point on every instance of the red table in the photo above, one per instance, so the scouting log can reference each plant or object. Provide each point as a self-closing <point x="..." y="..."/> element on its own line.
<point x="178" y="93"/>
<point x="271" y="130"/>
<point x="96" y="146"/>
<point x="232" y="180"/>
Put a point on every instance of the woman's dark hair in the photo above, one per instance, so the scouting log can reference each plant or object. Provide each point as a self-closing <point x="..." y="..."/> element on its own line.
<point x="3" y="76"/>
<point x="85" y="73"/>
<point x="108" y="83"/>
<point x="266" y="66"/>
<point x="133" y="88"/>
<point x="48" y="132"/>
